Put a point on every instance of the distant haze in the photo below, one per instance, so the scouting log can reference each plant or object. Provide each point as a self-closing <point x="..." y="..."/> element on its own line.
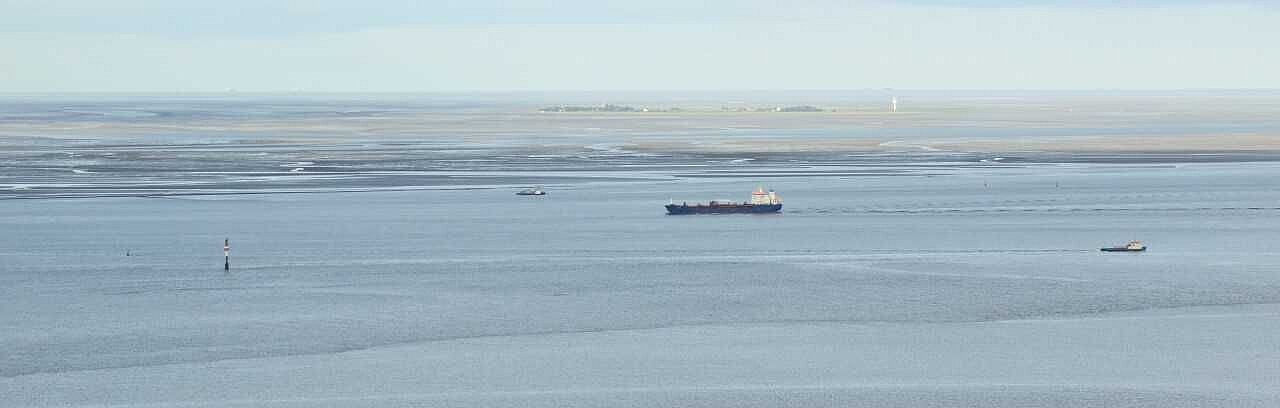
<point x="499" y="45"/>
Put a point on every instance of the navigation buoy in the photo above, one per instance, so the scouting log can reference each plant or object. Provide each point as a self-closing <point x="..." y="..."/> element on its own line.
<point x="226" y="254"/>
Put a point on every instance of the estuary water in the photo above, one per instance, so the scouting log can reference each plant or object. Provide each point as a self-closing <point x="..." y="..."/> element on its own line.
<point x="961" y="280"/>
<point x="978" y="288"/>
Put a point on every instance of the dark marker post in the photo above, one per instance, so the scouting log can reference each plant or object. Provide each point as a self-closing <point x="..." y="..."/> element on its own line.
<point x="226" y="253"/>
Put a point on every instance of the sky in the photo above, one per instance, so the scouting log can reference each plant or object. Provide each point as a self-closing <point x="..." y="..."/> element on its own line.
<point x="578" y="45"/>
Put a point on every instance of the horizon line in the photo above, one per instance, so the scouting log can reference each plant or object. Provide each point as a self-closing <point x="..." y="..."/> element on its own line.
<point x="624" y="91"/>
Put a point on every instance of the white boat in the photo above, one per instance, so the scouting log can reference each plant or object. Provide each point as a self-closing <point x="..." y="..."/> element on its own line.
<point x="1132" y="246"/>
<point x="536" y="191"/>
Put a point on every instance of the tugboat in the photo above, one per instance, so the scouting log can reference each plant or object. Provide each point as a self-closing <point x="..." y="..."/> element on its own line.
<point x="536" y="191"/>
<point x="1132" y="246"/>
<point x="762" y="202"/>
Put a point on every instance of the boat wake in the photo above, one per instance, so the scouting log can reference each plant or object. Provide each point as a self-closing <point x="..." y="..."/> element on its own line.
<point x="1030" y="210"/>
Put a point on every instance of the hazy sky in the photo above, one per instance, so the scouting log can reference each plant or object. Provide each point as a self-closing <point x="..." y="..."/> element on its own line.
<point x="497" y="45"/>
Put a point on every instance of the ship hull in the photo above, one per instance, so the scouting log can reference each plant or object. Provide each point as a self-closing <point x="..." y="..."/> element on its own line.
<point x="1123" y="249"/>
<point x="678" y="209"/>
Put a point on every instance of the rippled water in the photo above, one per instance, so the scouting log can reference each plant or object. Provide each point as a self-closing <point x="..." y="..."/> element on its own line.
<point x="885" y="257"/>
<point x="917" y="281"/>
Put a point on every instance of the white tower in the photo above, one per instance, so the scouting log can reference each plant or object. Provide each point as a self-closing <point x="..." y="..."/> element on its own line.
<point x="893" y="104"/>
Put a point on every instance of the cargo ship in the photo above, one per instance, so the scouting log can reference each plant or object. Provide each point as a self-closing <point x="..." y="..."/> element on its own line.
<point x="762" y="202"/>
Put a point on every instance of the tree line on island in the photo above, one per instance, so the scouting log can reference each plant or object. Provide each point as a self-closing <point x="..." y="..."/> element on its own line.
<point x="625" y="108"/>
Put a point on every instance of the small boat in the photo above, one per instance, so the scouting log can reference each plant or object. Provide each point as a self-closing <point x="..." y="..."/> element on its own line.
<point x="1132" y="246"/>
<point x="532" y="192"/>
